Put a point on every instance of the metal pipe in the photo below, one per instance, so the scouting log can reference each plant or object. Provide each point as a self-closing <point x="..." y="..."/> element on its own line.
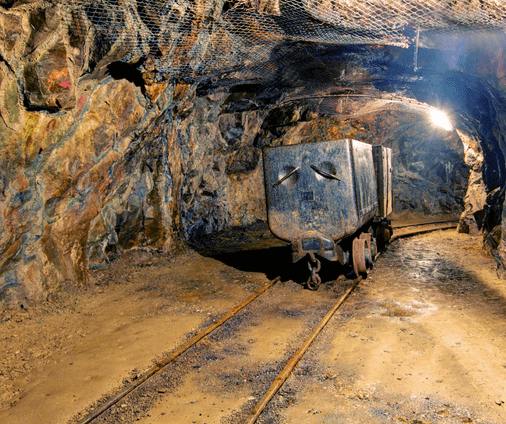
<point x="416" y="48"/>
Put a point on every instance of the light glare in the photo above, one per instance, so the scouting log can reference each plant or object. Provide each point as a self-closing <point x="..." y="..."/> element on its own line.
<point x="440" y="119"/>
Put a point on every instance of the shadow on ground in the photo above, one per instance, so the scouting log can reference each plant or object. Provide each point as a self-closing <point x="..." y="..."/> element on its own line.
<point x="277" y="261"/>
<point x="253" y="248"/>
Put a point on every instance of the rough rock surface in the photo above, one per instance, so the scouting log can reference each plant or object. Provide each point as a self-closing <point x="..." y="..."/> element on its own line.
<point x="93" y="166"/>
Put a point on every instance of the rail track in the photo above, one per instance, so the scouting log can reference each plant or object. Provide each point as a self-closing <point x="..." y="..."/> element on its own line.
<point x="278" y="381"/>
<point x="422" y="224"/>
<point x="142" y="379"/>
<point x="410" y="230"/>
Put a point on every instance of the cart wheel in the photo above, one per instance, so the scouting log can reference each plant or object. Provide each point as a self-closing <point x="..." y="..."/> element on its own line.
<point x="359" y="265"/>
<point x="369" y="255"/>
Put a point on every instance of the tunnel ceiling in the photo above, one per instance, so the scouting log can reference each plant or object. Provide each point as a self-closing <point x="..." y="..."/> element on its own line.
<point x="317" y="51"/>
<point x="219" y="40"/>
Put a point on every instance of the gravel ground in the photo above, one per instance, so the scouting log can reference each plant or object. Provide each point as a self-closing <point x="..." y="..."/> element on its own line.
<point x="421" y="340"/>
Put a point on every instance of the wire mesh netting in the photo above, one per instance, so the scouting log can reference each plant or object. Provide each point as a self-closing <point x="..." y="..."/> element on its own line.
<point x="206" y="37"/>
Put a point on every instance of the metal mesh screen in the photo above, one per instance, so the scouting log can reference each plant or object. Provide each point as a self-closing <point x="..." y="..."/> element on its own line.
<point x="206" y="37"/>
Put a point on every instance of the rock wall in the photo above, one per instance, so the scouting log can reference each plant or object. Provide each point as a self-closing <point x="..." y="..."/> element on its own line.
<point x="481" y="127"/>
<point x="59" y="174"/>
<point x="94" y="161"/>
<point x="115" y="174"/>
<point x="430" y="174"/>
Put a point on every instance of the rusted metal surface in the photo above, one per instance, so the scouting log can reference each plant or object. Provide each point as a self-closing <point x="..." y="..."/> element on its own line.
<point x="302" y="204"/>
<point x="414" y="230"/>
<point x="359" y="257"/>
<point x="142" y="378"/>
<point x="319" y="193"/>
<point x="366" y="194"/>
<point x="370" y="250"/>
<point x="383" y="168"/>
<point x="314" y="279"/>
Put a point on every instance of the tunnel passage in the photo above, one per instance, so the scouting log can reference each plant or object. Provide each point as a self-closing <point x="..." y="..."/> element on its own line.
<point x="139" y="125"/>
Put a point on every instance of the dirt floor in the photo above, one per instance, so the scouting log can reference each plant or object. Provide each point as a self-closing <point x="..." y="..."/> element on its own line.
<point x="421" y="340"/>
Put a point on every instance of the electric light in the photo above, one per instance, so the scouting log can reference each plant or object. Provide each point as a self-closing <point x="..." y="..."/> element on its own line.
<point x="440" y="119"/>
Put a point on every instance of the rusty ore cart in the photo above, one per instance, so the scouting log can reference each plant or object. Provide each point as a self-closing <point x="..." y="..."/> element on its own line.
<point x="330" y="199"/>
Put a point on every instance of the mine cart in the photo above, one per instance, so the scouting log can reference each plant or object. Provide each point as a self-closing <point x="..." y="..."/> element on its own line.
<point x="329" y="199"/>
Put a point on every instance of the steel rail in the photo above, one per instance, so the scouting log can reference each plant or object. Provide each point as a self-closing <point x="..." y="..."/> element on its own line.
<point x="420" y="224"/>
<point x="419" y="232"/>
<point x="291" y="364"/>
<point x="172" y="356"/>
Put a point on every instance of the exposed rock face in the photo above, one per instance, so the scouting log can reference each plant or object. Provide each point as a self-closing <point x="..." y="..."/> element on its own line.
<point x="476" y="197"/>
<point x="56" y="180"/>
<point x="92" y="167"/>
<point x="430" y="174"/>
<point x="101" y="152"/>
<point x="83" y="187"/>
